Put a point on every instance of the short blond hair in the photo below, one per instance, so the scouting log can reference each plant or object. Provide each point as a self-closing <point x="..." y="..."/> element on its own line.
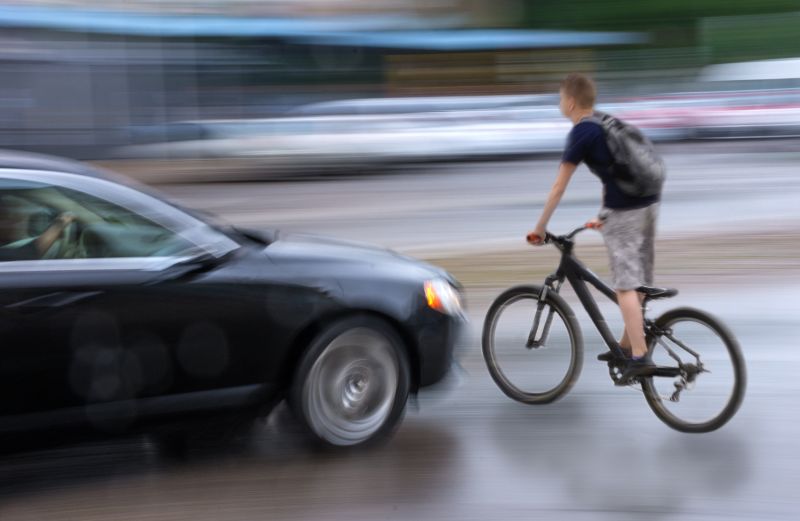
<point x="581" y="88"/>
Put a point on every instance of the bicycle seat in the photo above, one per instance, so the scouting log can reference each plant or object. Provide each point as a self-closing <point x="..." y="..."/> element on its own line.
<point x="656" y="293"/>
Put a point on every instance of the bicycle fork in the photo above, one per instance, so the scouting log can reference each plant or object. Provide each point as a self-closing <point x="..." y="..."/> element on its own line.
<point x="533" y="342"/>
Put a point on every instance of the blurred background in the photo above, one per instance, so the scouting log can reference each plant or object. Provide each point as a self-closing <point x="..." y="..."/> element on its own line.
<point x="432" y="127"/>
<point x="310" y="85"/>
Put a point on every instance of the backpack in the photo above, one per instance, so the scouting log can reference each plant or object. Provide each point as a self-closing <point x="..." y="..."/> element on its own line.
<point x="637" y="168"/>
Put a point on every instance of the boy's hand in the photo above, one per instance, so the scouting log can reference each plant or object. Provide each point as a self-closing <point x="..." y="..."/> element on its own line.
<point x="536" y="237"/>
<point x="595" y="224"/>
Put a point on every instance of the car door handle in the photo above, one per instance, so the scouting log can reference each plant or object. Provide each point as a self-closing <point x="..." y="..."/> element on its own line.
<point x="57" y="299"/>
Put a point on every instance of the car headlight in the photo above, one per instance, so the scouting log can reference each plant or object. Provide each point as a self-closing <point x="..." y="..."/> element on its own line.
<point x="443" y="297"/>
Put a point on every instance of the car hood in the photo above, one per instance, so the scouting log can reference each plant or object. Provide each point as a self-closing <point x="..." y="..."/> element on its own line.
<point x="337" y="257"/>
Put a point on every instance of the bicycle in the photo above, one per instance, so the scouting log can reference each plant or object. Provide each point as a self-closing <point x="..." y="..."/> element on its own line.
<point x="712" y="354"/>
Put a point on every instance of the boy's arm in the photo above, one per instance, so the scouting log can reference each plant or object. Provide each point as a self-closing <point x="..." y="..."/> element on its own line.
<point x="565" y="171"/>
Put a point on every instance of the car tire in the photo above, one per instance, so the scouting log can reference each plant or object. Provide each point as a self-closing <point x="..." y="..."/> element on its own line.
<point x="351" y="385"/>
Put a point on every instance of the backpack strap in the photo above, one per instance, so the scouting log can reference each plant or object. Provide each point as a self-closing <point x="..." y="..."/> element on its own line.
<point x="604" y="120"/>
<point x="601" y="118"/>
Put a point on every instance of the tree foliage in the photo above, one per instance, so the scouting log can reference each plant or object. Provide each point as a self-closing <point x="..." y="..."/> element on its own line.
<point x="639" y="15"/>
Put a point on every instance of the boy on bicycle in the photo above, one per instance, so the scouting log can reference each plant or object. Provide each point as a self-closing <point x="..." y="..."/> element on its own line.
<point x="627" y="222"/>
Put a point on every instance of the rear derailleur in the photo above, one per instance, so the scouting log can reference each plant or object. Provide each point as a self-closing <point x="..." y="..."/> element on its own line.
<point x="687" y="379"/>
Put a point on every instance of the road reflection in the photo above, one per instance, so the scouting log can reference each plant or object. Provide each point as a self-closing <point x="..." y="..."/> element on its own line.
<point x="595" y="456"/>
<point x="277" y="474"/>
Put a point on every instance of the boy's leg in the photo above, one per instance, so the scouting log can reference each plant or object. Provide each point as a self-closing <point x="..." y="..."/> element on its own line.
<point x="631" y="306"/>
<point x="647" y="256"/>
<point x="628" y="237"/>
<point x="625" y="342"/>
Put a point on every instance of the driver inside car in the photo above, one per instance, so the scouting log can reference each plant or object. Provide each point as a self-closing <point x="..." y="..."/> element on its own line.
<point x="14" y="248"/>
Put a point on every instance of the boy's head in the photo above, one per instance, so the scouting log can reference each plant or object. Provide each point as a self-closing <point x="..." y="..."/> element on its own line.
<point x="577" y="94"/>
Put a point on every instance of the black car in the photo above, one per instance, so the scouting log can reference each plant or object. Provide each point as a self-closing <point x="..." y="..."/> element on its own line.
<point x="121" y="311"/>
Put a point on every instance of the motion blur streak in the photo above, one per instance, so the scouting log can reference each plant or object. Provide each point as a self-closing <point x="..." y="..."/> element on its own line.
<point x="432" y="128"/>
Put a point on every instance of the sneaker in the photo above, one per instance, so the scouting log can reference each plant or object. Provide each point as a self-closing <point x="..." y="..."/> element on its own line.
<point x="610" y="356"/>
<point x="637" y="367"/>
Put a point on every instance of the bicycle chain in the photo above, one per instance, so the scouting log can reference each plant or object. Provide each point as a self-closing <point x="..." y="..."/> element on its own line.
<point x="615" y="372"/>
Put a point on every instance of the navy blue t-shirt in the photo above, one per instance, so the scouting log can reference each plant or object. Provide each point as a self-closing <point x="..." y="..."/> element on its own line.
<point x="587" y="142"/>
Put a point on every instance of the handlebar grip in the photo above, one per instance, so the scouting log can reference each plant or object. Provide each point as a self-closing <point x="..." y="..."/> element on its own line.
<point x="533" y="238"/>
<point x="592" y="225"/>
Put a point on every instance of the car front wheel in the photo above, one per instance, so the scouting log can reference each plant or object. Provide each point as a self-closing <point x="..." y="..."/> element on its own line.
<point x="352" y="384"/>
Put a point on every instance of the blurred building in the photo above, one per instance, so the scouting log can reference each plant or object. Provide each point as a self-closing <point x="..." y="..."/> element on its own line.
<point x="80" y="81"/>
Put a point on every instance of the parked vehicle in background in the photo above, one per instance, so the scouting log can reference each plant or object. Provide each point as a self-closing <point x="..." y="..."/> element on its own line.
<point x="341" y="142"/>
<point x="372" y="134"/>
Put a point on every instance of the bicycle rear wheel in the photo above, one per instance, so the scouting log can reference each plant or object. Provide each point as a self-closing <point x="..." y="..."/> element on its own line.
<point x="532" y="367"/>
<point x="706" y="398"/>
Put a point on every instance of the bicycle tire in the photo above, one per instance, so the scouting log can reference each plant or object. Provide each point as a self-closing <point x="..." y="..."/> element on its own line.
<point x="567" y="316"/>
<point x="655" y="401"/>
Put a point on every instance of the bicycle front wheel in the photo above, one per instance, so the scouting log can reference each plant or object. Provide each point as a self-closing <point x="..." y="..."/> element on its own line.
<point x="533" y="349"/>
<point x="706" y="397"/>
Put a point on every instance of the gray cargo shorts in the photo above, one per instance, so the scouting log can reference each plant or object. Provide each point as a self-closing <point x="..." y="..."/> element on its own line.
<point x="630" y="239"/>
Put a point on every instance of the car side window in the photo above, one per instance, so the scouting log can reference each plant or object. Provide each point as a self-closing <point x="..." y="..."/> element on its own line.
<point x="17" y="243"/>
<point x="40" y="222"/>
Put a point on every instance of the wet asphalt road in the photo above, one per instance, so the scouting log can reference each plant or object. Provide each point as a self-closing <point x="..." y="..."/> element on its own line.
<point x="465" y="451"/>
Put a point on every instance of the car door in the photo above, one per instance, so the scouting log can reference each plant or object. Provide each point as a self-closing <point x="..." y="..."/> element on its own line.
<point x="117" y="319"/>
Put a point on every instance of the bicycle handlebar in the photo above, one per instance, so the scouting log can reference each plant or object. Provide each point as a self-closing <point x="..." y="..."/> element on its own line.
<point x="549" y="237"/>
<point x="576" y="231"/>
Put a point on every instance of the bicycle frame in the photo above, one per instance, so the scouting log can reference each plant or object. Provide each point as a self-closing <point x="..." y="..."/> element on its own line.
<point x="578" y="275"/>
